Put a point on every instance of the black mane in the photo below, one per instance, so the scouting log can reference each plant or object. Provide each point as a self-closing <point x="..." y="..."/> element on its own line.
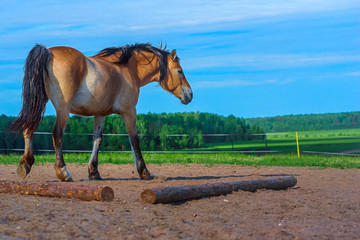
<point x="128" y="50"/>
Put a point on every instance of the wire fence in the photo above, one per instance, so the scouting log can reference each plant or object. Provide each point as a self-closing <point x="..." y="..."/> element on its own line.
<point x="269" y="143"/>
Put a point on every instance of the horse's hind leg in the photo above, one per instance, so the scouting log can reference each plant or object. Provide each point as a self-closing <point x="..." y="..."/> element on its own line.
<point x="93" y="163"/>
<point x="62" y="173"/>
<point x="28" y="159"/>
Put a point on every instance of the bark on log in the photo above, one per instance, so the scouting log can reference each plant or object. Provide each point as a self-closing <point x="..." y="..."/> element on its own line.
<point x="182" y="193"/>
<point x="86" y="193"/>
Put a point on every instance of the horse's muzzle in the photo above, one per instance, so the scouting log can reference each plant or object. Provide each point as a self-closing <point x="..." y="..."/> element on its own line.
<point x="186" y="95"/>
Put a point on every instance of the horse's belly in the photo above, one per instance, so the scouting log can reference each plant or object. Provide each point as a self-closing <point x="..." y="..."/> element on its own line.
<point x="89" y="108"/>
<point x="92" y="99"/>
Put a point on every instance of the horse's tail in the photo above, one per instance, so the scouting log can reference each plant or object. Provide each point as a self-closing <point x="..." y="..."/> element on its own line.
<point x="34" y="95"/>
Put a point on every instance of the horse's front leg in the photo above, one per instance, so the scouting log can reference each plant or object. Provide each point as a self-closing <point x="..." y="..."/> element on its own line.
<point x="130" y="122"/>
<point x="93" y="163"/>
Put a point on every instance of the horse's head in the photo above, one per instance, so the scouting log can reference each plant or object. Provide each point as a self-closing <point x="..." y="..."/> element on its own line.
<point x="175" y="81"/>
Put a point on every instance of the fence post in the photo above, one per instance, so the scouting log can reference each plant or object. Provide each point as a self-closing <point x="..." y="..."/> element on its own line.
<point x="266" y="143"/>
<point x="297" y="144"/>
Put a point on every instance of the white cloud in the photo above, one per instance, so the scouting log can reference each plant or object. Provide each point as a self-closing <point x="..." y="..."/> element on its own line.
<point x="269" y="61"/>
<point x="10" y="96"/>
<point x="94" y="17"/>
<point x="236" y="83"/>
<point x="11" y="65"/>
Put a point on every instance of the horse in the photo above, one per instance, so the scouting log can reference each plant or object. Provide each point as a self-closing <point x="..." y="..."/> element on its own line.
<point x="106" y="83"/>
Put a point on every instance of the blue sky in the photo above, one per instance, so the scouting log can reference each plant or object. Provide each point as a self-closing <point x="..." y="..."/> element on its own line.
<point x="246" y="58"/>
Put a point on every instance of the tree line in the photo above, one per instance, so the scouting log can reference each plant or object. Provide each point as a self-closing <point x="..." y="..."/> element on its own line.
<point x="308" y="122"/>
<point x="157" y="132"/>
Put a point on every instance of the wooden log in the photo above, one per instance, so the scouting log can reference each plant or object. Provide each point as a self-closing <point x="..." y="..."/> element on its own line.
<point x="182" y="193"/>
<point x="82" y="192"/>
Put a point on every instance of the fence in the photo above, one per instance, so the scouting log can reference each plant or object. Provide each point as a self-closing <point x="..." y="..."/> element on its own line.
<point x="336" y="142"/>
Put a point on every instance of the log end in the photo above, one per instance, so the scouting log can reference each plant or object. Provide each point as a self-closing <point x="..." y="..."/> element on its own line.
<point x="292" y="182"/>
<point x="286" y="183"/>
<point x="107" y="194"/>
<point x="148" y="196"/>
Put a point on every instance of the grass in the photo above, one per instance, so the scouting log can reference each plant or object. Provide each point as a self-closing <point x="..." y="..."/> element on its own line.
<point x="320" y="141"/>
<point x="290" y="160"/>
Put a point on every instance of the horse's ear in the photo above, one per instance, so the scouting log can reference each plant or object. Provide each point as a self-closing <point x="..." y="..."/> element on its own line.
<point x="173" y="54"/>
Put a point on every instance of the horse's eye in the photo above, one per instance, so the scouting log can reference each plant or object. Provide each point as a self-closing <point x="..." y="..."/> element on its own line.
<point x="180" y="71"/>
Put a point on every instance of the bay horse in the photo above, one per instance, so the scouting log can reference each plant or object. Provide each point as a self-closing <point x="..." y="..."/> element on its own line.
<point x="106" y="83"/>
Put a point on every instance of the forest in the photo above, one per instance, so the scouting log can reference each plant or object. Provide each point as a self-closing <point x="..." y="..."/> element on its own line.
<point x="308" y="122"/>
<point x="157" y="132"/>
<point x="174" y="131"/>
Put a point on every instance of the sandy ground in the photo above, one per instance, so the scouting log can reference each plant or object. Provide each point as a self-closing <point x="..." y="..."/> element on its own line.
<point x="325" y="204"/>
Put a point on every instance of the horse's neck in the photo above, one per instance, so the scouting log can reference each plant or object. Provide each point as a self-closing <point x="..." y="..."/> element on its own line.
<point x="113" y="58"/>
<point x="146" y="66"/>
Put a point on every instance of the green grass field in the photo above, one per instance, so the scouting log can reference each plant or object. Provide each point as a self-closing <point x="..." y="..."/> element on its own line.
<point x="334" y="141"/>
<point x="290" y="160"/>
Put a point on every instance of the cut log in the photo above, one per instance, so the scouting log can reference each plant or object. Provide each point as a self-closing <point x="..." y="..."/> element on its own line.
<point x="82" y="192"/>
<point x="182" y="193"/>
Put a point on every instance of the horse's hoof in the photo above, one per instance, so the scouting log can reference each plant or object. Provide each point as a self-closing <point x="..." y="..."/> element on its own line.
<point x="23" y="170"/>
<point x="63" y="174"/>
<point x="95" y="176"/>
<point x="68" y="180"/>
<point x="148" y="177"/>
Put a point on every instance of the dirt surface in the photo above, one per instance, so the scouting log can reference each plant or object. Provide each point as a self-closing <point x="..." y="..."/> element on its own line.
<point x="325" y="204"/>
